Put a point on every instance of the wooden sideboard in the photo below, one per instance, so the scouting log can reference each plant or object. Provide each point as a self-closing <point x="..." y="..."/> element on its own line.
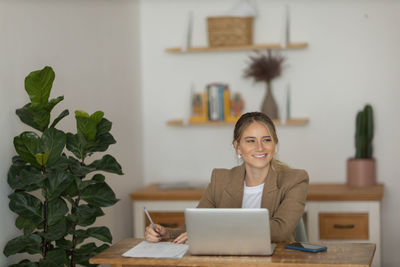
<point x="337" y="212"/>
<point x="333" y="213"/>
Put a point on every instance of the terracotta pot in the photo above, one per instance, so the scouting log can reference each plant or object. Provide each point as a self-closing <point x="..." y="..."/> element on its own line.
<point x="361" y="172"/>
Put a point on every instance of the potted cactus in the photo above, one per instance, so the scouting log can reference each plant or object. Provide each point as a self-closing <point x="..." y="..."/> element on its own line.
<point x="361" y="169"/>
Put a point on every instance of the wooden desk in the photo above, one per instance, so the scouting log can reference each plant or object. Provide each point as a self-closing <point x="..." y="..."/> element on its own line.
<point x="346" y="254"/>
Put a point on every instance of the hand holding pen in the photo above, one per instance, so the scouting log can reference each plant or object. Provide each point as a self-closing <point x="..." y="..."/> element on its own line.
<point x="154" y="232"/>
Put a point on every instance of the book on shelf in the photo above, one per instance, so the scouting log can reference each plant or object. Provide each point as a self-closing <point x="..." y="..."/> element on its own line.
<point x="215" y="105"/>
<point x="227" y="104"/>
<point x="199" y="108"/>
<point x="213" y="102"/>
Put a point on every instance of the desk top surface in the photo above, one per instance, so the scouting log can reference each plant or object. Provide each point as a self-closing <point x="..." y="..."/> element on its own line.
<point x="316" y="192"/>
<point x="340" y="254"/>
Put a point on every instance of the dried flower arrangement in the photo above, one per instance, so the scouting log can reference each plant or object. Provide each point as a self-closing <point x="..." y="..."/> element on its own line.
<point x="264" y="67"/>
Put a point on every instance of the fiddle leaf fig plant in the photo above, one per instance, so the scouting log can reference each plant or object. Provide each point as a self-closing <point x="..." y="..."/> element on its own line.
<point x="58" y="191"/>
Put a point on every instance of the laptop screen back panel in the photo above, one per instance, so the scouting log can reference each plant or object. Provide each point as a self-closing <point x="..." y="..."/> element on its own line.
<point x="228" y="231"/>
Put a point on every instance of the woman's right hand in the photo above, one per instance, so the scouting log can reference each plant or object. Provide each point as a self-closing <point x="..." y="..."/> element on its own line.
<point x="157" y="234"/>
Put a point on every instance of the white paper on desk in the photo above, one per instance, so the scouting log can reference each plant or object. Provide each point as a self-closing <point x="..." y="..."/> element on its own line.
<point x="157" y="250"/>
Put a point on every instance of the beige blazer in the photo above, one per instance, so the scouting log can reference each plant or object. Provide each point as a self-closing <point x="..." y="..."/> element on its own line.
<point x="284" y="195"/>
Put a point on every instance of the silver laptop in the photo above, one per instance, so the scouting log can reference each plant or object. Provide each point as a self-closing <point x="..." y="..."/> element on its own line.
<point x="228" y="232"/>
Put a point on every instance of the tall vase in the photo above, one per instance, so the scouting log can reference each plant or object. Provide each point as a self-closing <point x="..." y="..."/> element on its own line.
<point x="269" y="106"/>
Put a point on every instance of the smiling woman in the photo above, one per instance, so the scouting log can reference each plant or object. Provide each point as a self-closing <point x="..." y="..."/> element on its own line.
<point x="260" y="182"/>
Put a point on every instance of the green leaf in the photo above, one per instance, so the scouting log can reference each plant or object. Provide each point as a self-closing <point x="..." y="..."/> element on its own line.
<point x="72" y="218"/>
<point x="87" y="251"/>
<point x="25" y="263"/>
<point x="99" y="195"/>
<point x="38" y="119"/>
<point x="41" y="117"/>
<point x="61" y="165"/>
<point x="24" y="177"/>
<point x="103" y="138"/>
<point x="84" y="184"/>
<point x="97" y="117"/>
<point x="78" y="169"/>
<point x="59" y="118"/>
<point x="97" y="178"/>
<point x="87" y="248"/>
<point x="87" y="214"/>
<point x="42" y="158"/>
<point x="56" y="231"/>
<point x="80" y="146"/>
<point x="64" y="244"/>
<point x="87" y="125"/>
<point x="71" y="192"/>
<point x="26" y="243"/>
<point x="81" y="235"/>
<point x="103" y="127"/>
<point x="27" y="146"/>
<point x="102" y="233"/>
<point x="76" y="144"/>
<point x="54" y="258"/>
<point x="81" y="113"/>
<point x="36" y="115"/>
<point x="53" y="142"/>
<point x="70" y="226"/>
<point x="27" y="224"/>
<point x="38" y="85"/>
<point x="57" y="208"/>
<point x="18" y="161"/>
<point x="101" y="144"/>
<point x="27" y="206"/>
<point x="108" y="164"/>
<point x="57" y="183"/>
<point x="104" y="141"/>
<point x="52" y="103"/>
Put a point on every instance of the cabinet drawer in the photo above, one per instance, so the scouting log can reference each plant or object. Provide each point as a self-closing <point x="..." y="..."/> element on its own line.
<point x="167" y="219"/>
<point x="343" y="226"/>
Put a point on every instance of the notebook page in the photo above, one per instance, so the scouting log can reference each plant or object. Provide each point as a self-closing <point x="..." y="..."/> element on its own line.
<point x="157" y="250"/>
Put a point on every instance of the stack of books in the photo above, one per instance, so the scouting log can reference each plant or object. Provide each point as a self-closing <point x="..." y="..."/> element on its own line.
<point x="215" y="104"/>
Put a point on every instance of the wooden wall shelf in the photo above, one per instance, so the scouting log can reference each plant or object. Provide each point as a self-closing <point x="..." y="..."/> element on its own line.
<point x="181" y="123"/>
<point x="236" y="48"/>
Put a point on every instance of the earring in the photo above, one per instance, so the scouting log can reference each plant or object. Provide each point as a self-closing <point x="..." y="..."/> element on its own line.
<point x="239" y="156"/>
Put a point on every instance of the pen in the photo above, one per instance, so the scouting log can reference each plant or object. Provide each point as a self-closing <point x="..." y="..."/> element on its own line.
<point x="151" y="221"/>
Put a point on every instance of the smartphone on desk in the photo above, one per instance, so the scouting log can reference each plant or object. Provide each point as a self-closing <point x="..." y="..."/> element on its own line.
<point x="306" y="247"/>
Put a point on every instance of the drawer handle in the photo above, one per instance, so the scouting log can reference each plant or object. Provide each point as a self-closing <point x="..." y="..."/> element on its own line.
<point x="170" y="225"/>
<point x="343" y="226"/>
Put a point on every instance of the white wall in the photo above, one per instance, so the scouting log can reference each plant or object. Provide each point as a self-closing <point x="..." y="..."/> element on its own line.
<point x="352" y="59"/>
<point x="94" y="49"/>
<point x="109" y="55"/>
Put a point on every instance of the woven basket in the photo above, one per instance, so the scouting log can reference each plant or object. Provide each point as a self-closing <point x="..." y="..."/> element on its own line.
<point x="230" y="31"/>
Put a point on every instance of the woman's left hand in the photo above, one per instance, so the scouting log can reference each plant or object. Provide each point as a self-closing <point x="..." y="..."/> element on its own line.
<point x="181" y="239"/>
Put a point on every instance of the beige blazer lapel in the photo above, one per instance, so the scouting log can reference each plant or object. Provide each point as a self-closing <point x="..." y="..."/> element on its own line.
<point x="233" y="193"/>
<point x="270" y="192"/>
